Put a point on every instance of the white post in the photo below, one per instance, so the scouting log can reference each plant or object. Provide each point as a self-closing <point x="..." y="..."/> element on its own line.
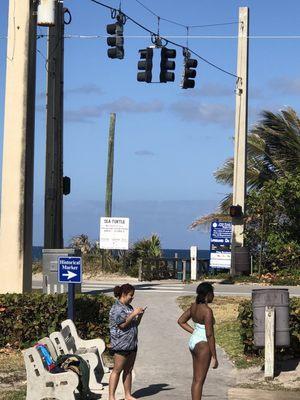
<point x="183" y="270"/>
<point x="269" y="342"/>
<point x="240" y="146"/>
<point x="193" y="257"/>
<point x="18" y="149"/>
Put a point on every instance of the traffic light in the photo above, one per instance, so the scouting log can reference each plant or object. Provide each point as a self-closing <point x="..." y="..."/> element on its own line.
<point x="145" y="64"/>
<point x="189" y="72"/>
<point x="236" y="211"/>
<point x="116" y="41"/>
<point x="66" y="185"/>
<point x="167" y="65"/>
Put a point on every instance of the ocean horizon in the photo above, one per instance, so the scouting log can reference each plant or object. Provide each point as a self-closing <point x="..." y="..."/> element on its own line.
<point x="167" y="253"/>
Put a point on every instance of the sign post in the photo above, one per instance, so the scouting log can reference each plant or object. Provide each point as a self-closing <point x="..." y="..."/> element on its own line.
<point x="70" y="271"/>
<point x="220" y="245"/>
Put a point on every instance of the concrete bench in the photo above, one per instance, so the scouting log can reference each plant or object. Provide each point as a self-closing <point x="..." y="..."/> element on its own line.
<point x="67" y="341"/>
<point x="42" y="384"/>
<point x="90" y="358"/>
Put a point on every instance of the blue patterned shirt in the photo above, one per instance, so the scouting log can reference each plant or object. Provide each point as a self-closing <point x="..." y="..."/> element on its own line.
<point x="122" y="339"/>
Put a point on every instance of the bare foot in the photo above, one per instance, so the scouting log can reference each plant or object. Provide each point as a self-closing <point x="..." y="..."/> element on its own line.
<point x="130" y="398"/>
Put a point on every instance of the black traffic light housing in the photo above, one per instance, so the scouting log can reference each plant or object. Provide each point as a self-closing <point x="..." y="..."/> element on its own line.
<point x="66" y="185"/>
<point x="167" y="65"/>
<point x="189" y="72"/>
<point x="236" y="211"/>
<point x="145" y="64"/>
<point x="116" y="40"/>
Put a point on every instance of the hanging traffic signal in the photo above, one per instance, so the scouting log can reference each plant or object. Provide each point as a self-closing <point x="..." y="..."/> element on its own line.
<point x="116" y="41"/>
<point x="189" y="71"/>
<point x="167" y="65"/>
<point x="236" y="211"/>
<point x="145" y="64"/>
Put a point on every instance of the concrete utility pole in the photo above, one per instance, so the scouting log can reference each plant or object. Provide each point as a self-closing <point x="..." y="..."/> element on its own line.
<point x="241" y="126"/>
<point x="53" y="226"/>
<point x="18" y="149"/>
<point x="110" y="165"/>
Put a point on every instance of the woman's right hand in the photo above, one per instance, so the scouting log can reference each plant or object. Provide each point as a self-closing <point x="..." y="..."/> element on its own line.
<point x="138" y="311"/>
<point x="214" y="363"/>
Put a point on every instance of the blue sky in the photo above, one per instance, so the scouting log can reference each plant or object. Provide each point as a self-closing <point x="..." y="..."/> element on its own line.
<point x="168" y="141"/>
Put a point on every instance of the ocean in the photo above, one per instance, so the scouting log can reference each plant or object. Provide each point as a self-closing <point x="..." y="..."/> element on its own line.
<point x="168" y="253"/>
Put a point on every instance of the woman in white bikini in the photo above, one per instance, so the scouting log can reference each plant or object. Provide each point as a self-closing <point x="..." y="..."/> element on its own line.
<point x="202" y="341"/>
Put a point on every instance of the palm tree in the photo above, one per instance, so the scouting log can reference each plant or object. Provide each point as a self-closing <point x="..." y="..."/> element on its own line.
<point x="82" y="243"/>
<point x="148" y="248"/>
<point x="273" y="151"/>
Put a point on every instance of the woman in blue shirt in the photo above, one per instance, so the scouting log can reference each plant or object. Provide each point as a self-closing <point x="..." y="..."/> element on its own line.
<point x="123" y="325"/>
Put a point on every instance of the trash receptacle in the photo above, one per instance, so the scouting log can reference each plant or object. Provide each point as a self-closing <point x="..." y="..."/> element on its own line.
<point x="50" y="270"/>
<point x="278" y="298"/>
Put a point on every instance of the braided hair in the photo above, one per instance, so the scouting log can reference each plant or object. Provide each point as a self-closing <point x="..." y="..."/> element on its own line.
<point x="202" y="291"/>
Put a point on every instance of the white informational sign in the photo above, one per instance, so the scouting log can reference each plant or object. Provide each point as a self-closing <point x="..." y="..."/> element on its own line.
<point x="193" y="256"/>
<point x="114" y="233"/>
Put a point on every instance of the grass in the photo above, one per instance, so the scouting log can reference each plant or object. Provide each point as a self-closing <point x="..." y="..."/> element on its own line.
<point x="227" y="328"/>
<point x="13" y="395"/>
<point x="11" y="361"/>
<point x="283" y="277"/>
<point x="12" y="372"/>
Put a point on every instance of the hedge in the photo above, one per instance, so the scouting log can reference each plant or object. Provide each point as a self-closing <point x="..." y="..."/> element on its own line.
<point x="26" y="318"/>
<point x="245" y="317"/>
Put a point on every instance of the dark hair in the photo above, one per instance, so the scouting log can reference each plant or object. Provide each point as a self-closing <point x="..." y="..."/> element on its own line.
<point x="123" y="289"/>
<point x="202" y="291"/>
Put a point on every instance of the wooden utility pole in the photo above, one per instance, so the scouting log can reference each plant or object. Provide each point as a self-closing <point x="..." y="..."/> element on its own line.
<point x="18" y="149"/>
<point x="241" y="126"/>
<point x="53" y="226"/>
<point x="110" y="165"/>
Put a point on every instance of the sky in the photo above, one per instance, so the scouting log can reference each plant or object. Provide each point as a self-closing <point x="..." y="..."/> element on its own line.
<point x="169" y="141"/>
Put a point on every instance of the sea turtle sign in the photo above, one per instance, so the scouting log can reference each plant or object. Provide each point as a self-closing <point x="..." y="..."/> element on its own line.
<point x="114" y="233"/>
<point x="220" y="245"/>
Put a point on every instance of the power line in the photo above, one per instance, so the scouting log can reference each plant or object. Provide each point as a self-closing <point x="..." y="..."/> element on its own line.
<point x="153" y="34"/>
<point x="184" y="25"/>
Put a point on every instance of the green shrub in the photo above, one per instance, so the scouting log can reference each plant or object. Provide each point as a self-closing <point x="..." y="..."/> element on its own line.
<point x="26" y="318"/>
<point x="245" y="317"/>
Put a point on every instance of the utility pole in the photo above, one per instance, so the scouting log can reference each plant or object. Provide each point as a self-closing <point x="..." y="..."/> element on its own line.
<point x="110" y="165"/>
<point x="241" y="127"/>
<point x="53" y="225"/>
<point x="18" y="149"/>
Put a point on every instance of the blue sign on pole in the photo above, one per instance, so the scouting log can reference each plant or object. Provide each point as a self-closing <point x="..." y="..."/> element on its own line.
<point x="69" y="270"/>
<point x="220" y="245"/>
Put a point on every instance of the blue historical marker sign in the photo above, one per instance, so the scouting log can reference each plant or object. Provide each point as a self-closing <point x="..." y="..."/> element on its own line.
<point x="69" y="270"/>
<point x="220" y="245"/>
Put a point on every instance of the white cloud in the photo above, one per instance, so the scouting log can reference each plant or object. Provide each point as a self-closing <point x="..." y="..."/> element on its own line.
<point x="285" y="85"/>
<point x="144" y="153"/>
<point x="207" y="114"/>
<point x="121" y="105"/>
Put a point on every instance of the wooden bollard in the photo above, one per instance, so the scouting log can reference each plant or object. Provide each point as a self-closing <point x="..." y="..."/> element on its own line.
<point x="140" y="265"/>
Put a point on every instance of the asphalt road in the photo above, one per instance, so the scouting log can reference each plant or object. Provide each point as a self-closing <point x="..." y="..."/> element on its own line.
<point x="173" y="286"/>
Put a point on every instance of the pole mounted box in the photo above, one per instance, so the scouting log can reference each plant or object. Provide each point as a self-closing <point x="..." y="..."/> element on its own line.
<point x="46" y="12"/>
